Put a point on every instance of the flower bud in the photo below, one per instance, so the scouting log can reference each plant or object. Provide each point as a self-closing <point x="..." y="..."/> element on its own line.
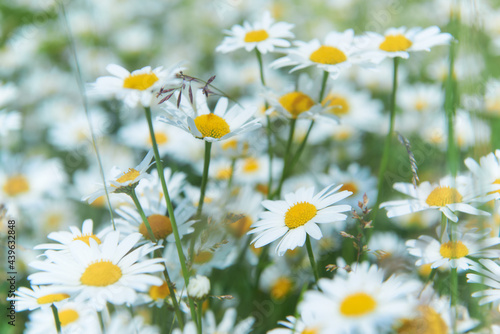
<point x="198" y="287"/>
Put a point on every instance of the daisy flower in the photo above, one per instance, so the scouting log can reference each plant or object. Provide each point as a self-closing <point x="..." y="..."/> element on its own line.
<point x="123" y="181"/>
<point x="336" y="53"/>
<point x="221" y="124"/>
<point x="110" y="272"/>
<point x="358" y="302"/>
<point x="297" y="216"/>
<point x="66" y="238"/>
<point x="488" y="274"/>
<point x="39" y="297"/>
<point x="466" y="244"/>
<point x="264" y="35"/>
<point x="487" y="171"/>
<point x="227" y="325"/>
<point x="293" y="326"/>
<point x="136" y="88"/>
<point x="398" y="42"/>
<point x="448" y="197"/>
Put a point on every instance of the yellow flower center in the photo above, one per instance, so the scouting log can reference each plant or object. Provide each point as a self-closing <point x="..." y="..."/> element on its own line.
<point x="453" y="250"/>
<point x="442" y="196"/>
<point x="300" y="214"/>
<point x="99" y="202"/>
<point x="428" y="321"/>
<point x="256" y="36"/>
<point x="160" y="225"/>
<point x="250" y="165"/>
<point x="230" y="144"/>
<point x="492" y="104"/>
<point x="328" y="55"/>
<point x="394" y="43"/>
<point x="16" y="185"/>
<point x="131" y="175"/>
<point x="159" y="292"/>
<point x="86" y="237"/>
<point x="296" y="103"/>
<point x="357" y="304"/>
<point x="212" y="126"/>
<point x="203" y="257"/>
<point x="224" y="173"/>
<point x="421" y="104"/>
<point x="161" y="138"/>
<point x="310" y="331"/>
<point x="336" y="104"/>
<point x="52" y="298"/>
<point x="281" y="287"/>
<point x="54" y="220"/>
<point x="425" y="270"/>
<point x="68" y="316"/>
<point x="350" y="186"/>
<point x="102" y="273"/>
<point x="240" y="227"/>
<point x="140" y="81"/>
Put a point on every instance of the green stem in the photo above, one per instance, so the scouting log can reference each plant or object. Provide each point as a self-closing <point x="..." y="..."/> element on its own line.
<point x="444" y="224"/>
<point x="323" y="86"/>
<point x="261" y="67"/>
<point x="200" y="316"/>
<point x="170" y="209"/>
<point x="231" y="176"/>
<point x="297" y="155"/>
<point x="387" y="147"/>
<point x="287" y="156"/>
<point x="449" y="106"/>
<point x="311" y="258"/>
<point x="56" y="318"/>
<point x="204" y="180"/>
<point x="143" y="216"/>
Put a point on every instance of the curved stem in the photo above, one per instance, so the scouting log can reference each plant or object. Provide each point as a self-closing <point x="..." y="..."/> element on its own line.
<point x="56" y="318"/>
<point x="311" y="258"/>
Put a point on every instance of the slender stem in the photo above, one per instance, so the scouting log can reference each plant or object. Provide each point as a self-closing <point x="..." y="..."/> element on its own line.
<point x="323" y="86"/>
<point x="170" y="209"/>
<point x="157" y="253"/>
<point x="453" y="284"/>
<point x="287" y="156"/>
<point x="311" y="258"/>
<point x="199" y="308"/>
<point x="449" y="106"/>
<point x="387" y="147"/>
<point x="204" y="180"/>
<point x="297" y="155"/>
<point x="231" y="176"/>
<point x="56" y="318"/>
<point x="261" y="67"/>
<point x="444" y="224"/>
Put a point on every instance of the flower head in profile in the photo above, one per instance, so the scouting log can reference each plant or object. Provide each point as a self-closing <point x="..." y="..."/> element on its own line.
<point x="297" y="216"/>
<point x="448" y="196"/>
<point x="123" y="182"/>
<point x="111" y="272"/>
<point x="398" y="42"/>
<point x="39" y="297"/>
<point x="211" y="126"/>
<point x="134" y="88"/>
<point x="264" y="35"/>
<point x="336" y="53"/>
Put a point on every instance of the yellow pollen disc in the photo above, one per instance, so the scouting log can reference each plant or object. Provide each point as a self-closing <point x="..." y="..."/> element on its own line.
<point x="159" y="292"/>
<point x="300" y="214"/>
<point x="131" y="175"/>
<point x="310" y="331"/>
<point x="262" y="188"/>
<point x="161" y="138"/>
<point x="52" y="298"/>
<point x="140" y="81"/>
<point x="240" y="227"/>
<point x="160" y="224"/>
<point x="54" y="220"/>
<point x="453" y="250"/>
<point x="224" y="173"/>
<point x="336" y="104"/>
<point x="492" y="105"/>
<point x="442" y="196"/>
<point x="328" y="55"/>
<point x="394" y="43"/>
<point x="16" y="185"/>
<point x="425" y="270"/>
<point x="68" y="316"/>
<point x="296" y="103"/>
<point x="211" y="125"/>
<point x="250" y="165"/>
<point x="230" y="144"/>
<point x="102" y="273"/>
<point x="99" y="202"/>
<point x="281" y="287"/>
<point x="421" y="105"/>
<point x="203" y="257"/>
<point x="256" y="36"/>
<point x="350" y="186"/>
<point x="357" y="304"/>
<point x="86" y="237"/>
<point x="497" y="181"/>
<point x="428" y="321"/>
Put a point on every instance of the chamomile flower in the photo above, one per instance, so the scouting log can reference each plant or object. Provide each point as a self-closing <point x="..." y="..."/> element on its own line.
<point x="110" y="272"/>
<point x="136" y="88"/>
<point x="448" y="196"/>
<point x="39" y="297"/>
<point x="294" y="326"/>
<point x="338" y="52"/>
<point x="66" y="238"/>
<point x="221" y="124"/>
<point x="487" y="273"/>
<point x="466" y="244"/>
<point x="264" y="35"/>
<point x="122" y="181"/>
<point x="297" y="216"/>
<point x="398" y="42"/>
<point x="255" y="169"/>
<point x="358" y="302"/>
<point x="487" y="171"/>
